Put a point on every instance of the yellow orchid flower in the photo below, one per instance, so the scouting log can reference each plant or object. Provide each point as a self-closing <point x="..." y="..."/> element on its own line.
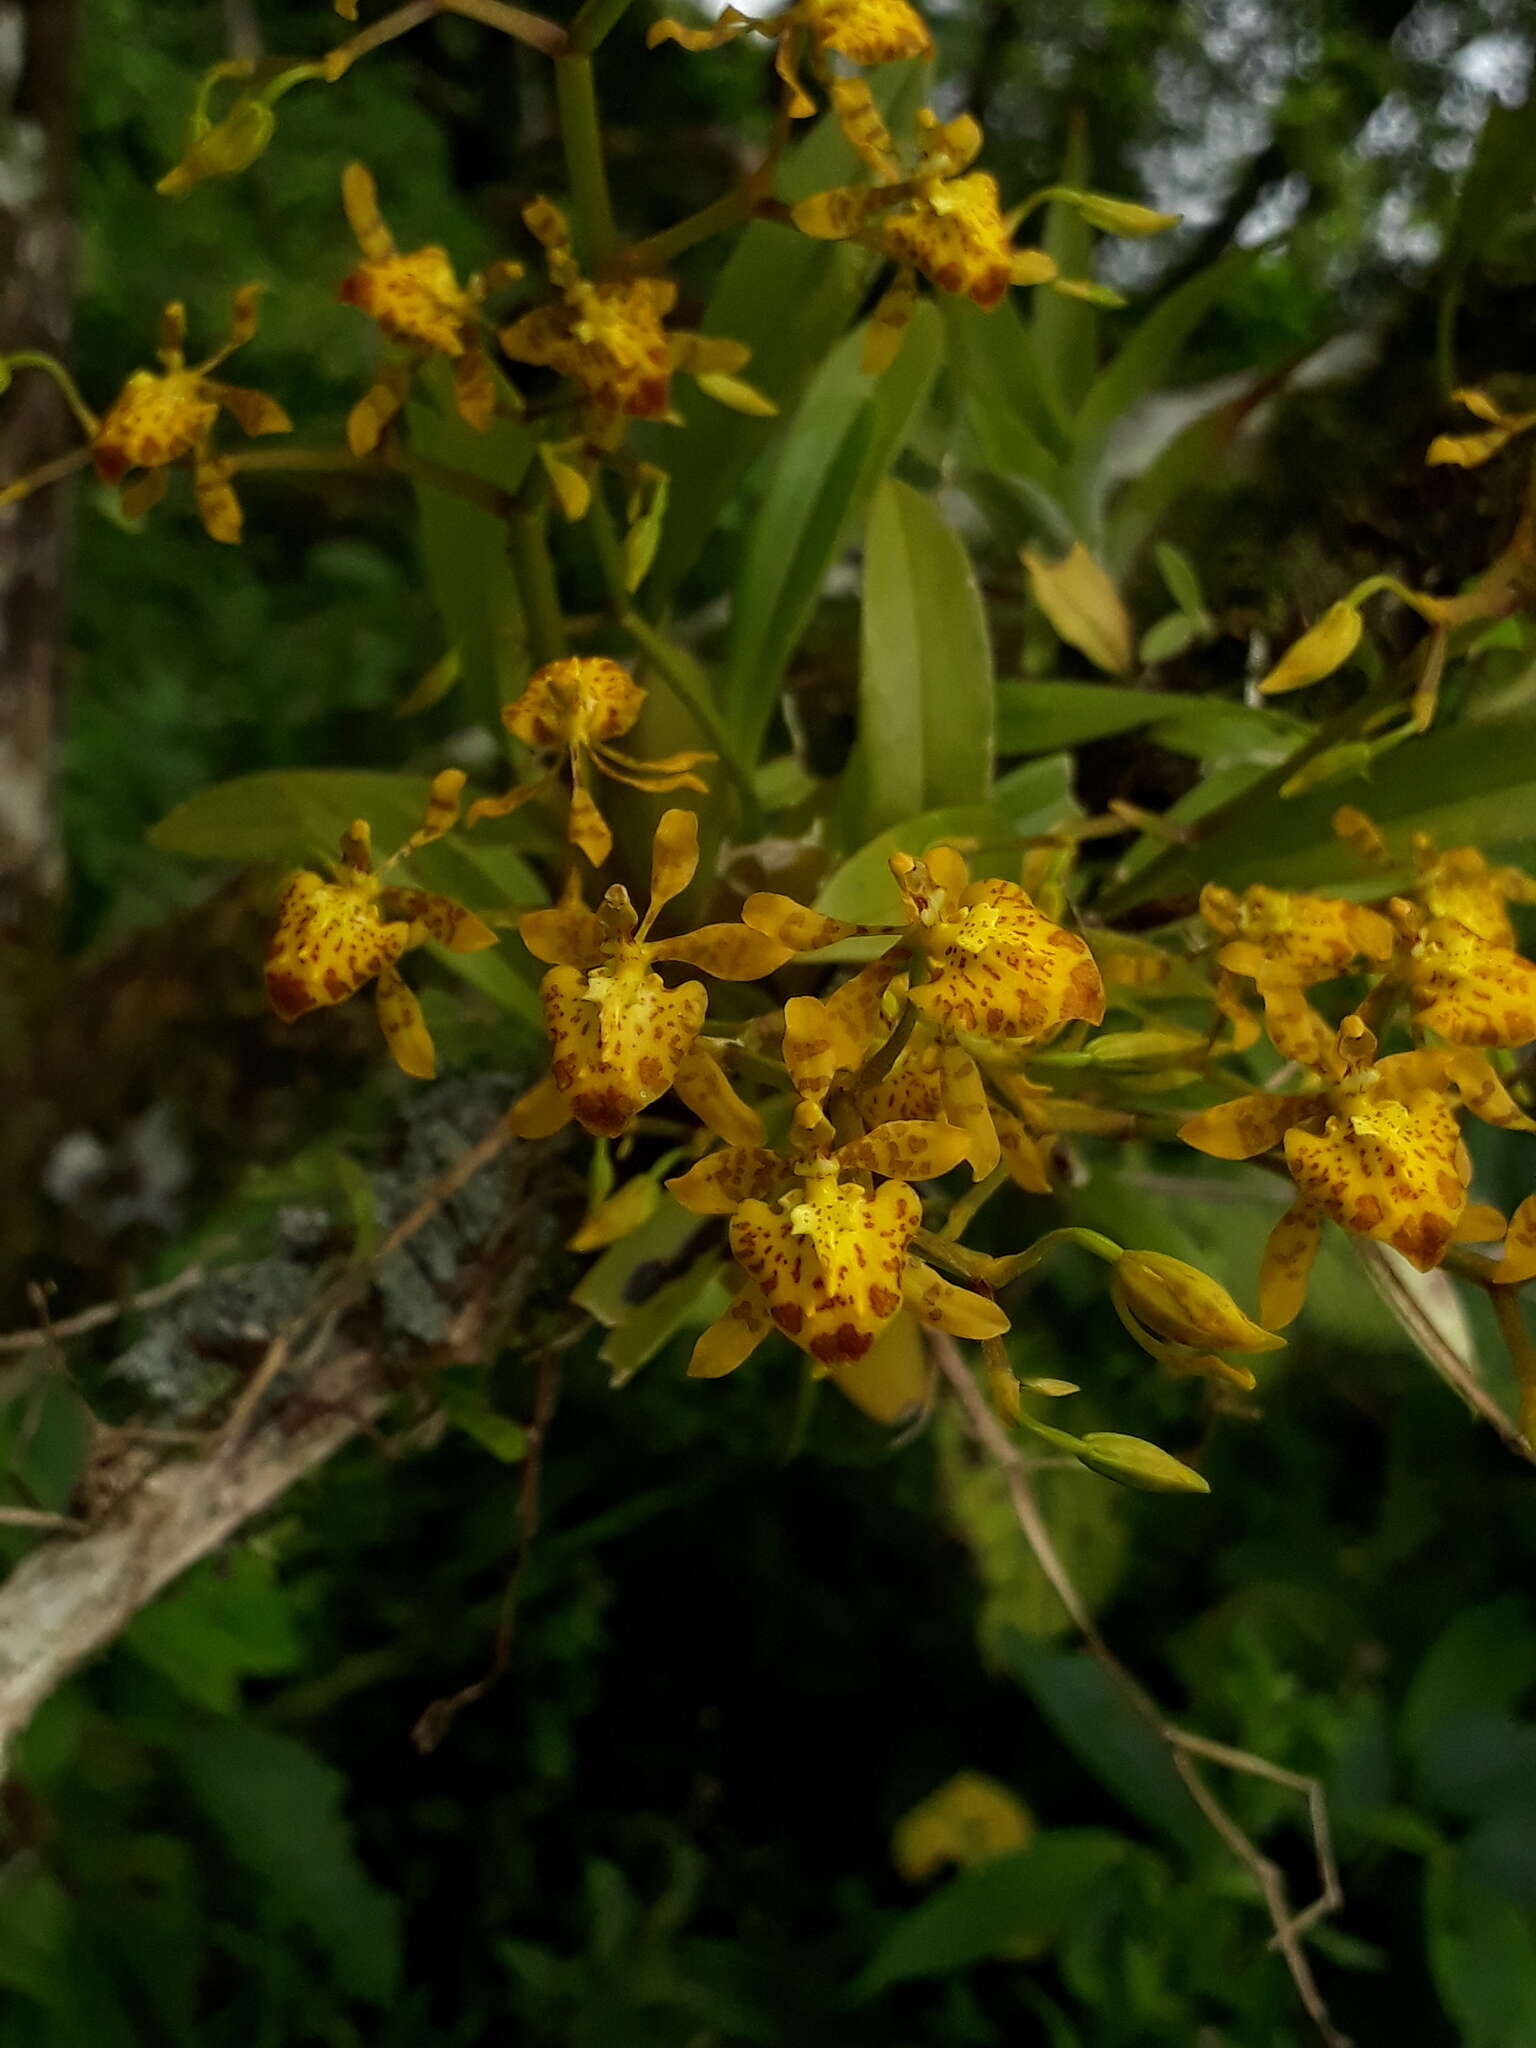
<point x="865" y="32"/>
<point x="1461" y="885"/>
<point x="580" y="704"/>
<point x="942" y="219"/>
<point x="416" y="298"/>
<point x="166" y="416"/>
<point x="619" y="1036"/>
<point x="1376" y="1147"/>
<point x="824" y="1253"/>
<point x="1285" y="943"/>
<point x="995" y="966"/>
<point x="333" y="937"/>
<point x="1466" y="989"/>
<point x="610" y="339"/>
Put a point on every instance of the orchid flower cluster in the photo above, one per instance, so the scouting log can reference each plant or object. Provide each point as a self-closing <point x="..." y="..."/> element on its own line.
<point x="838" y="1133"/>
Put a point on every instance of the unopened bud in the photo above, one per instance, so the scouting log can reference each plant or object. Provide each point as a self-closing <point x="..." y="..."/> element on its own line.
<point x="1317" y="653"/>
<point x="1179" y="1303"/>
<point x="228" y="147"/>
<point x="1131" y="1461"/>
<point x="1122" y="216"/>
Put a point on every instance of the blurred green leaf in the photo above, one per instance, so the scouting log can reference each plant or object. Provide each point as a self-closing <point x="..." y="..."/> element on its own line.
<point x="1065" y="330"/>
<point x="1040" y="718"/>
<point x="296" y="815"/>
<point x="1106" y="1734"/>
<point x="280" y="1810"/>
<point x="225" y="1621"/>
<point x="1474" y="784"/>
<point x="843" y="438"/>
<point x="1482" y="1954"/>
<point x="789" y="298"/>
<point x="464" y="548"/>
<point x="925" y="684"/>
<point x="1023" y="1899"/>
<point x="1141" y="366"/>
<point x="1485" y="1659"/>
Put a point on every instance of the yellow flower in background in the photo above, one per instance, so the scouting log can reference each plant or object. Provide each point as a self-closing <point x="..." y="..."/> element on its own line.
<point x="968" y="1820"/>
<point x="1286" y="943"/>
<point x="1468" y="990"/>
<point x="1376" y="1147"/>
<point x="1321" y="650"/>
<point x="579" y="705"/>
<point x="1468" y="451"/>
<point x="610" y="339"/>
<point x="1461" y="884"/>
<point x="333" y="937"/>
<point x="995" y="966"/>
<point x="416" y="298"/>
<point x="167" y="416"/>
<point x="619" y="1036"/>
<point x="943" y="221"/>
<point x="864" y="32"/>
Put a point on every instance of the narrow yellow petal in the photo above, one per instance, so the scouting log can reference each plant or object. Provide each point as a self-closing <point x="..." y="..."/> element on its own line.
<point x="404" y="1027"/>
<point x="731" y="1338"/>
<point x="1287" y="1265"/>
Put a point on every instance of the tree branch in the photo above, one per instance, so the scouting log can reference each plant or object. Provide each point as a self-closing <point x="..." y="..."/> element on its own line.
<point x="70" y="1598"/>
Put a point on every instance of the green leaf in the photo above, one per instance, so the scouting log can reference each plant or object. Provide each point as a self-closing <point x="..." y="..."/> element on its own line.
<point x="1482" y="1955"/>
<point x="1036" y="799"/>
<point x="1025" y="1899"/>
<point x="1192" y="461"/>
<point x="1065" y="330"/>
<point x="1472" y="785"/>
<point x="1484" y="1661"/>
<point x="464" y="549"/>
<point x="690" y="1301"/>
<point x="1041" y="718"/>
<point x="1141" y="366"/>
<point x="223" y="1622"/>
<point x="280" y="1810"/>
<point x="925" y="684"/>
<point x="1182" y="581"/>
<point x="467" y="1408"/>
<point x="842" y="440"/>
<point x="1171" y="636"/>
<point x="510" y="988"/>
<point x="788" y="297"/>
<point x="993" y="363"/>
<point x="291" y="816"/>
<point x="1106" y="1734"/>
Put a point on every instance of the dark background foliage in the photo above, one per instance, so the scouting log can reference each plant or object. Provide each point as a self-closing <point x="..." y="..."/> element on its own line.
<point x="751" y="1636"/>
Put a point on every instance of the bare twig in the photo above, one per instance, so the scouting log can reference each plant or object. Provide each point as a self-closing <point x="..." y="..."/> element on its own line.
<point x="1184" y="1749"/>
<point x="1388" y="1280"/>
<point x="104" y="1312"/>
<point x="435" y="1721"/>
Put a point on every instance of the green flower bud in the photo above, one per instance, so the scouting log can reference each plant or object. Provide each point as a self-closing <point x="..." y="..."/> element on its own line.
<point x="224" y="150"/>
<point x="1131" y="1461"/>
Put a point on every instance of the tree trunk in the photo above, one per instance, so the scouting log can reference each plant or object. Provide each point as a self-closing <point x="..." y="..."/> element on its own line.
<point x="37" y="136"/>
